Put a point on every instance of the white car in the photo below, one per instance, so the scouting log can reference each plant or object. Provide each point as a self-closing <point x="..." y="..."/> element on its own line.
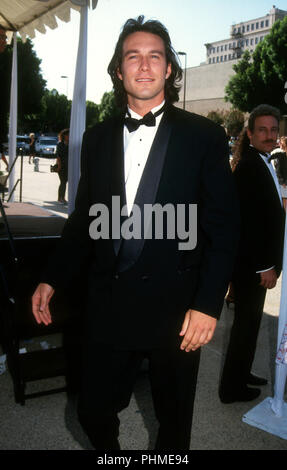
<point x="46" y="147"/>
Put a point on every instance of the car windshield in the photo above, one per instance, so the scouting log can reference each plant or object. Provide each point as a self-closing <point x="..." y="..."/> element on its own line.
<point x="47" y="142"/>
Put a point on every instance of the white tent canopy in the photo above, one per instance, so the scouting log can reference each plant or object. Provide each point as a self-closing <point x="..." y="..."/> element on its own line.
<point x="26" y="17"/>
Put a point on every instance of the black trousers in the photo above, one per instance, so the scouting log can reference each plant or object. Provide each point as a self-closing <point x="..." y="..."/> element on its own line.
<point x="249" y="299"/>
<point x="63" y="176"/>
<point x="107" y="386"/>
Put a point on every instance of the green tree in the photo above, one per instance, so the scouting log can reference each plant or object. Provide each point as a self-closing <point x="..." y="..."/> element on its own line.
<point x="261" y="78"/>
<point x="31" y="85"/>
<point x="55" y="112"/>
<point x="108" y="107"/>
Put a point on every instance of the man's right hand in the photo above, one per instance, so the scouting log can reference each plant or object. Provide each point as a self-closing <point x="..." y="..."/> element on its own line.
<point x="40" y="303"/>
<point x="268" y="279"/>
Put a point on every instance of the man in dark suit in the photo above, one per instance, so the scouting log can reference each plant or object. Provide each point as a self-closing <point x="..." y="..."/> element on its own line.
<point x="259" y="259"/>
<point x="151" y="295"/>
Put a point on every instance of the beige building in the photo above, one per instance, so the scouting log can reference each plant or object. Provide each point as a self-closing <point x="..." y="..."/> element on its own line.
<point x="205" y="84"/>
<point x="205" y="87"/>
<point x="243" y="36"/>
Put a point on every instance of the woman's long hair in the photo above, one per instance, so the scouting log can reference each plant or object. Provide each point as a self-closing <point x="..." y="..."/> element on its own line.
<point x="172" y="86"/>
<point x="241" y="146"/>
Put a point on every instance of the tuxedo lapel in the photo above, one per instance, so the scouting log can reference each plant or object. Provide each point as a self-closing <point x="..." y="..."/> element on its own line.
<point x="147" y="191"/>
<point x="266" y="174"/>
<point x="118" y="174"/>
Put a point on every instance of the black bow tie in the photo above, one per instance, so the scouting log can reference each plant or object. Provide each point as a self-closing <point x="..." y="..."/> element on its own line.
<point x="148" y="120"/>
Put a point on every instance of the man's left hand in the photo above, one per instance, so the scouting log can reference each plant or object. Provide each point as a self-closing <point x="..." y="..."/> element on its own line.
<point x="197" y="330"/>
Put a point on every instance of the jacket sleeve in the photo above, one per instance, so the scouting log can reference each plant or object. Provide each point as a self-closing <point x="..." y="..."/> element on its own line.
<point x="219" y="224"/>
<point x="75" y="244"/>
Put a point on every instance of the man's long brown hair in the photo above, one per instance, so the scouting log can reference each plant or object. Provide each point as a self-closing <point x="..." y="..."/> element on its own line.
<point x="172" y="86"/>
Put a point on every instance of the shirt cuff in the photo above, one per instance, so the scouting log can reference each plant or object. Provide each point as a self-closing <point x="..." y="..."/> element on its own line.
<point x="264" y="270"/>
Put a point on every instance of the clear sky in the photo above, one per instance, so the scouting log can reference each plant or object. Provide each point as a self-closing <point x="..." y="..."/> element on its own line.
<point x="190" y="23"/>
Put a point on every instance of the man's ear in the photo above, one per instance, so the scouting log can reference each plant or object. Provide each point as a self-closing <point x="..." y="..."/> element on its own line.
<point x="119" y="74"/>
<point x="249" y="134"/>
<point x="168" y="71"/>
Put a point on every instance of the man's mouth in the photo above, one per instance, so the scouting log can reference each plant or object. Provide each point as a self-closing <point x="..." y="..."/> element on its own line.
<point x="144" y="80"/>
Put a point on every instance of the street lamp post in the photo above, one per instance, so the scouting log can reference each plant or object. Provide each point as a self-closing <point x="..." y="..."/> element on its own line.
<point x="67" y="83"/>
<point x="184" y="86"/>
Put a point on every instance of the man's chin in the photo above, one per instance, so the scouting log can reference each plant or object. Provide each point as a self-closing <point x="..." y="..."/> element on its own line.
<point x="268" y="148"/>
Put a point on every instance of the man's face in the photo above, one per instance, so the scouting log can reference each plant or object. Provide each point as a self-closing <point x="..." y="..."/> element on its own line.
<point x="3" y="39"/>
<point x="144" y="68"/>
<point x="265" y="133"/>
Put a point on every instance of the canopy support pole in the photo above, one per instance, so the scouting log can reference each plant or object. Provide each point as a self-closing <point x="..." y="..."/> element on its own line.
<point x="78" y="113"/>
<point x="13" y="116"/>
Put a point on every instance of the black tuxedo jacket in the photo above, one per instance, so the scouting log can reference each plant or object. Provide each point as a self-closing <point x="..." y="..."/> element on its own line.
<point x="262" y="216"/>
<point x="138" y="298"/>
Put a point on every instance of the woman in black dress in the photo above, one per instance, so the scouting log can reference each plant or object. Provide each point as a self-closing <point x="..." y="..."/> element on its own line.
<point x="62" y="161"/>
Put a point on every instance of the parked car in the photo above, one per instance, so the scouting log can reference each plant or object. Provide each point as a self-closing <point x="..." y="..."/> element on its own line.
<point x="46" y="147"/>
<point x="22" y="144"/>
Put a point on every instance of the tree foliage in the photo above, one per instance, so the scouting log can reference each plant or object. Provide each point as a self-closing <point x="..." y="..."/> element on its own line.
<point x="260" y="77"/>
<point x="39" y="109"/>
<point x="108" y="107"/>
<point x="232" y="120"/>
<point x="31" y="85"/>
<point x="55" y="112"/>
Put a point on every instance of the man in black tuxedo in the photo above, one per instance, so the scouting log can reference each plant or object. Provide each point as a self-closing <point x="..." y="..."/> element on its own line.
<point x="151" y="295"/>
<point x="259" y="259"/>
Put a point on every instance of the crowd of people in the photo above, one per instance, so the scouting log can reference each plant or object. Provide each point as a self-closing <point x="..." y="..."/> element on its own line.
<point x="147" y="297"/>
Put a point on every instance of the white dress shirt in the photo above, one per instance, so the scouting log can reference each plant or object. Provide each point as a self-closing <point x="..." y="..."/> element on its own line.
<point x="273" y="173"/>
<point x="137" y="146"/>
<point x="274" y="176"/>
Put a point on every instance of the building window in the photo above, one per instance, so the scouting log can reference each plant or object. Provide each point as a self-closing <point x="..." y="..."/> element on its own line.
<point x="247" y="42"/>
<point x="239" y="29"/>
<point x="217" y="49"/>
<point x="267" y="23"/>
<point x="225" y="57"/>
<point x="243" y="29"/>
<point x="225" y="47"/>
<point x="251" y="41"/>
<point x="252" y="27"/>
<point x="247" y="27"/>
<point x="257" y="25"/>
<point x="256" y="40"/>
<point x="229" y="56"/>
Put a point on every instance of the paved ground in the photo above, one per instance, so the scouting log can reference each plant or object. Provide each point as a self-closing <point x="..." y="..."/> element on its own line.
<point x="49" y="423"/>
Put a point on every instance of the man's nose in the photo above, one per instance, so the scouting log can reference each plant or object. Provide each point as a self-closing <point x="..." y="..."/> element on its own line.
<point x="144" y="63"/>
<point x="270" y="134"/>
